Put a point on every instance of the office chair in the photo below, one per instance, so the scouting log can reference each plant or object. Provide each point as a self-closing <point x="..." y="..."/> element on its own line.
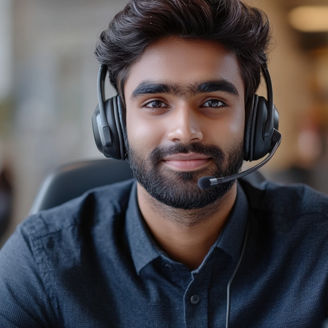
<point x="73" y="179"/>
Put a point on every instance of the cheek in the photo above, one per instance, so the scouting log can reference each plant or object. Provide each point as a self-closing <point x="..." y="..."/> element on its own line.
<point x="237" y="124"/>
<point x="143" y="135"/>
<point x="227" y="132"/>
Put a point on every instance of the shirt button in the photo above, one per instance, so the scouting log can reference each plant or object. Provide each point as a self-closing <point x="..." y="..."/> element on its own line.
<point x="194" y="299"/>
<point x="168" y="266"/>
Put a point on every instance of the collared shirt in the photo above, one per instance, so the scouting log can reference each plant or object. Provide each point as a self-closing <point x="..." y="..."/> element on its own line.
<point x="93" y="263"/>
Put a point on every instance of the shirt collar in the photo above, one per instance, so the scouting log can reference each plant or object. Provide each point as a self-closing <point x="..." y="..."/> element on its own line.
<point x="144" y="249"/>
<point x="232" y="236"/>
<point x="142" y="246"/>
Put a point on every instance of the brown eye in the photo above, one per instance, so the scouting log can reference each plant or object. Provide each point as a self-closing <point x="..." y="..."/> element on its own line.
<point x="214" y="103"/>
<point x="155" y="104"/>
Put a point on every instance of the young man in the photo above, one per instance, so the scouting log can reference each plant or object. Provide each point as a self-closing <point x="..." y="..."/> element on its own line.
<point x="160" y="251"/>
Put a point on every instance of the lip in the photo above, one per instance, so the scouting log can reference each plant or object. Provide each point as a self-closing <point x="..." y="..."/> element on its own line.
<point x="186" y="162"/>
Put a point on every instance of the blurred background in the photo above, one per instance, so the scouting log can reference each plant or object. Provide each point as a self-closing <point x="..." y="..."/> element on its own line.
<point x="48" y="92"/>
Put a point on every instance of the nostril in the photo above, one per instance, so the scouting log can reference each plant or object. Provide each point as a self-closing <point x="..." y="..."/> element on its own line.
<point x="185" y="126"/>
<point x="185" y="136"/>
<point x="197" y="135"/>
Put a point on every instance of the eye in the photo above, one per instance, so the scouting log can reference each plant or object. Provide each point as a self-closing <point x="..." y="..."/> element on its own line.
<point x="155" y="107"/>
<point x="213" y="103"/>
<point x="153" y="104"/>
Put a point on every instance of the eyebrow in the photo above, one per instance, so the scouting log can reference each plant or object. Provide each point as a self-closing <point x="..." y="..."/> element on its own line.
<point x="219" y="85"/>
<point x="149" y="87"/>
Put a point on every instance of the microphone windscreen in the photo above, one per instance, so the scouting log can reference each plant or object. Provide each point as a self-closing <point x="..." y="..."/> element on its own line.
<point x="204" y="182"/>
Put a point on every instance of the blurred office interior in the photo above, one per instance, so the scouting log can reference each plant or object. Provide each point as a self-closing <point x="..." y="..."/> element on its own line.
<point x="48" y="91"/>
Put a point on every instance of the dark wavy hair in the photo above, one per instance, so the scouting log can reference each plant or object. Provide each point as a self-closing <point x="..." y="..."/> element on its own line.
<point x="240" y="28"/>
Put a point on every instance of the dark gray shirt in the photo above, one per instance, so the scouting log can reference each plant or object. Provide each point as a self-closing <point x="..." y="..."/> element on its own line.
<point x="93" y="263"/>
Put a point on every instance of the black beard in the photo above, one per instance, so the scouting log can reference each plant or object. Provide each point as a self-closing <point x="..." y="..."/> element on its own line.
<point x="180" y="189"/>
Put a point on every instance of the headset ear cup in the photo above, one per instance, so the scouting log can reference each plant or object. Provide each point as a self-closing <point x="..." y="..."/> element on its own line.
<point x="263" y="142"/>
<point x="250" y="129"/>
<point x="111" y="149"/>
<point x="96" y="128"/>
<point x="256" y="144"/>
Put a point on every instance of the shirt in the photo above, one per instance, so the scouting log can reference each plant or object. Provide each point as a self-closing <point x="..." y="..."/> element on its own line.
<point x="92" y="262"/>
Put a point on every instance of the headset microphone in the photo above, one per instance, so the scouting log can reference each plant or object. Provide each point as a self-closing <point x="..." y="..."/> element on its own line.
<point x="208" y="182"/>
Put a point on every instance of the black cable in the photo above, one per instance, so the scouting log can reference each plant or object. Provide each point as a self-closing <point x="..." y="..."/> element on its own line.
<point x="234" y="274"/>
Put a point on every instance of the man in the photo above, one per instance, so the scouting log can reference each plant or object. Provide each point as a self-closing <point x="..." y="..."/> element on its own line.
<point x="160" y="251"/>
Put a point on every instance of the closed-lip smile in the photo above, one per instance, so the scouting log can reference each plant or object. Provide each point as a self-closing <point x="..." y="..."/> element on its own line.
<point x="186" y="161"/>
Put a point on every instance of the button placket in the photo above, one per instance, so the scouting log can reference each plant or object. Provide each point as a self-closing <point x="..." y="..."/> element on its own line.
<point x="196" y="303"/>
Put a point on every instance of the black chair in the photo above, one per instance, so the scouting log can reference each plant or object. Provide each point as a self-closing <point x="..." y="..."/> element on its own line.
<point x="72" y="180"/>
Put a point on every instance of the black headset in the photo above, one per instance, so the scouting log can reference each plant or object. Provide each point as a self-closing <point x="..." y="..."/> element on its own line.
<point x="109" y="128"/>
<point x="108" y="122"/>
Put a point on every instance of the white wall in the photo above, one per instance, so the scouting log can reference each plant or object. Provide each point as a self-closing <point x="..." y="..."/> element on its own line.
<point x="54" y="88"/>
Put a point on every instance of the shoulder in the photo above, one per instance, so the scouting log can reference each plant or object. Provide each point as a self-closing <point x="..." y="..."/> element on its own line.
<point x="288" y="218"/>
<point x="106" y="202"/>
<point x="289" y="200"/>
<point x="48" y="245"/>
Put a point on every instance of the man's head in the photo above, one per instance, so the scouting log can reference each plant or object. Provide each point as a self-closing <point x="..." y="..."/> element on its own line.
<point x="238" y="27"/>
<point x="185" y="69"/>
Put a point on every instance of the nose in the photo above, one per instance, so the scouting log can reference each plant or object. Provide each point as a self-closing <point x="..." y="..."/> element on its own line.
<point x="185" y="127"/>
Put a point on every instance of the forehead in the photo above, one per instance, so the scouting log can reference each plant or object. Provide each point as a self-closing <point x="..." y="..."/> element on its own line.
<point x="183" y="62"/>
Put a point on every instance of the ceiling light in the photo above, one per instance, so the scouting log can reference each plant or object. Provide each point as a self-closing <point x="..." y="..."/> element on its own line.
<point x="309" y="18"/>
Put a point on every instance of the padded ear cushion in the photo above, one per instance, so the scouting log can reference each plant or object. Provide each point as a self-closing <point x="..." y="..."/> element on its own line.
<point x="256" y="144"/>
<point x="249" y="129"/>
<point x="262" y="144"/>
<point x="116" y="147"/>
<point x="120" y="126"/>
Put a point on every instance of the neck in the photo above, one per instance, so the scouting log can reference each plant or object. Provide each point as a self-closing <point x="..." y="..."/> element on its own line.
<point x="186" y="235"/>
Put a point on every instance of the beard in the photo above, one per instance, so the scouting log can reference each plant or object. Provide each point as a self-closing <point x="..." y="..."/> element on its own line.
<point x="180" y="189"/>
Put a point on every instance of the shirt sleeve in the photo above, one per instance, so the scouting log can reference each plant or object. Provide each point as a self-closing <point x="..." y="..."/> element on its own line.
<point x="24" y="291"/>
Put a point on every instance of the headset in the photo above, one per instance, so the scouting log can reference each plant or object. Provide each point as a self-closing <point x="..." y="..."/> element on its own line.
<point x="108" y="122"/>
<point x="261" y="128"/>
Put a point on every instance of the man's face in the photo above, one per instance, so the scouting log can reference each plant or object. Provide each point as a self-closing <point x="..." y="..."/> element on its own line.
<point x="185" y="119"/>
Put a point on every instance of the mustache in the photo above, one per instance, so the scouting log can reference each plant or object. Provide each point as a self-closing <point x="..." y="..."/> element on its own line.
<point x="215" y="152"/>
